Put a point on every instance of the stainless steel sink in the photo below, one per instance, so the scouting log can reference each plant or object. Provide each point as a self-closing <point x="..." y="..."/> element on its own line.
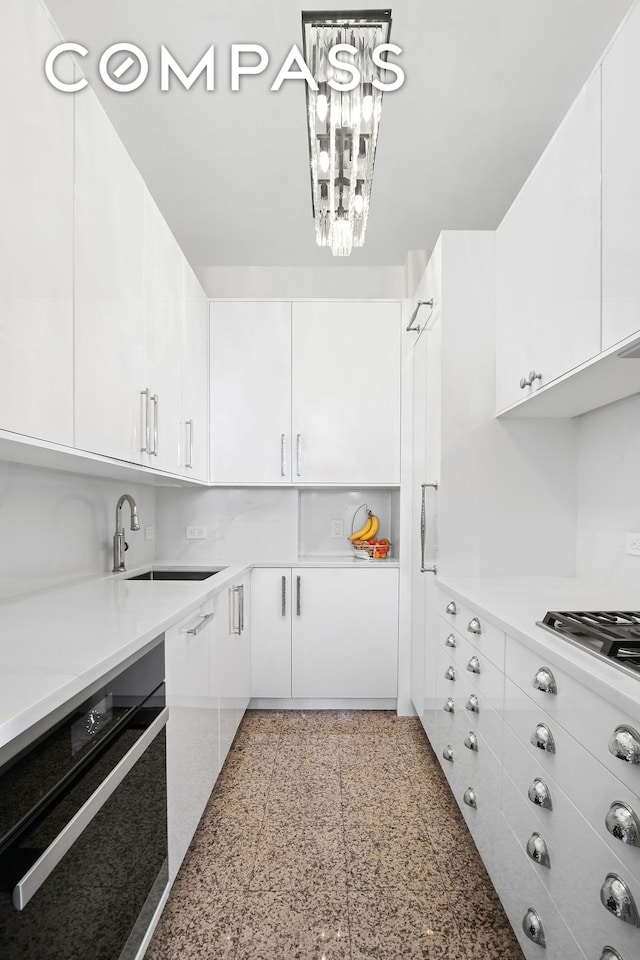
<point x="176" y="574"/>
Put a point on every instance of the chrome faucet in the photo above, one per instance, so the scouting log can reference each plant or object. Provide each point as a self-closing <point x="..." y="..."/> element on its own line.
<point x="119" y="545"/>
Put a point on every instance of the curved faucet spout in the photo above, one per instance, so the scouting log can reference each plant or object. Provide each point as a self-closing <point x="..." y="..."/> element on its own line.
<point x="119" y="545"/>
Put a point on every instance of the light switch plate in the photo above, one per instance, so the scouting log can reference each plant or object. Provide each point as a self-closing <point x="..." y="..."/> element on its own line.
<point x="149" y="533"/>
<point x="633" y="544"/>
<point x="337" y="529"/>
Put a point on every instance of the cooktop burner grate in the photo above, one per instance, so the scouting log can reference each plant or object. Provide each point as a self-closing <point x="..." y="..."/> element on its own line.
<point x="612" y="635"/>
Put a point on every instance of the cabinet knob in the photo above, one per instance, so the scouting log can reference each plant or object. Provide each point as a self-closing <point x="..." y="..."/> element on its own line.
<point x="622" y="823"/>
<point x="470" y="797"/>
<point x="610" y="953"/>
<point x="450" y="673"/>
<point x="474" y="625"/>
<point x="450" y="641"/>
<point x="527" y="381"/>
<point x="537" y="850"/>
<point x="618" y="899"/>
<point x="545" y="681"/>
<point x="532" y="926"/>
<point x="474" y="665"/>
<point x="473" y="704"/>
<point x="449" y="706"/>
<point x="451" y="608"/>
<point x="625" y="744"/>
<point x="539" y="794"/>
<point x="471" y="741"/>
<point x="447" y="753"/>
<point x="542" y="738"/>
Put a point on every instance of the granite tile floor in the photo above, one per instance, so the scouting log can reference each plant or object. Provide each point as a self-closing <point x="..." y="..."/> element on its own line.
<point x="332" y="835"/>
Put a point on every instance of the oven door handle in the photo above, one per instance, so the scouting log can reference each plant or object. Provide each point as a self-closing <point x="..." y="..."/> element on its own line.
<point x="46" y="863"/>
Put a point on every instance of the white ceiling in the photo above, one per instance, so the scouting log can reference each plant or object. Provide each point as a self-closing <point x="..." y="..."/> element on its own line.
<point x="487" y="83"/>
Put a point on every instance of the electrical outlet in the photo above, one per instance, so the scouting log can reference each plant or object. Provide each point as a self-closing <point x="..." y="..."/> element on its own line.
<point x="195" y="533"/>
<point x="337" y="529"/>
<point x="149" y="533"/>
<point x="633" y="544"/>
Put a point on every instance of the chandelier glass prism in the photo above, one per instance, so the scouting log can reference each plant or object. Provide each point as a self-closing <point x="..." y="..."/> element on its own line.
<point x="343" y="123"/>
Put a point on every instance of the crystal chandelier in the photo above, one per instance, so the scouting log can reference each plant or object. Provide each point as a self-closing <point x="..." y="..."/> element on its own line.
<point x="343" y="124"/>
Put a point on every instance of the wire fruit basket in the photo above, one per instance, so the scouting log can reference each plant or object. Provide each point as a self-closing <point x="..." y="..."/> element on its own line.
<point x="362" y="548"/>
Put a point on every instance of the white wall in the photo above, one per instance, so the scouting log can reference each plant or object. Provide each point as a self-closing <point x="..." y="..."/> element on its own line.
<point x="57" y="526"/>
<point x="344" y="282"/>
<point x="608" y="473"/>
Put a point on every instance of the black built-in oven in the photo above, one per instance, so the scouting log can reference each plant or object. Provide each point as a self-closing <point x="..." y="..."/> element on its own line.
<point x="83" y="824"/>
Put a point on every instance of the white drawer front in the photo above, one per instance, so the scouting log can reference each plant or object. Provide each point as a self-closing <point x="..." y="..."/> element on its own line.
<point x="589" y="718"/>
<point x="476" y="627"/>
<point x="484" y="718"/>
<point x="467" y="658"/>
<point x="480" y="771"/>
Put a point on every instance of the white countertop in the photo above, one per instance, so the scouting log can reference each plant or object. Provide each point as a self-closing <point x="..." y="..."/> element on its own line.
<point x="515" y="604"/>
<point x="56" y="642"/>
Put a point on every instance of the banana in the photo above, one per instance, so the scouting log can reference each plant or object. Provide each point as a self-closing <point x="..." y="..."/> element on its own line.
<point x="358" y="535"/>
<point x="375" y="526"/>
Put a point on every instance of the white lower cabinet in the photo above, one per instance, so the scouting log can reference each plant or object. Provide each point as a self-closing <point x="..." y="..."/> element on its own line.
<point x="325" y="633"/>
<point x="193" y="749"/>
<point x="230" y="664"/>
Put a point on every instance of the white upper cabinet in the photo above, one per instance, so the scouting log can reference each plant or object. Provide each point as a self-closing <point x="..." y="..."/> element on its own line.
<point x="36" y="236"/>
<point x="621" y="185"/>
<point x="346" y="392"/>
<point x="195" y="377"/>
<point x="110" y="333"/>
<point x="250" y="369"/>
<point x="548" y="259"/>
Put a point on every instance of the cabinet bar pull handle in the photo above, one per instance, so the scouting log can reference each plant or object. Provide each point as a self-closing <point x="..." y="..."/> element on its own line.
<point x="298" y="455"/>
<point x="145" y="396"/>
<point x="189" y="460"/>
<point x="241" y="609"/>
<point x="298" y="597"/>
<point x="284" y="596"/>
<point x="423" y="530"/>
<point x="192" y="631"/>
<point x="235" y="617"/>
<point x="283" y="455"/>
<point x="155" y="424"/>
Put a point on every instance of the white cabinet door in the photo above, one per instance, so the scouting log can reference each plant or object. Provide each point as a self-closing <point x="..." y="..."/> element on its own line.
<point x="195" y="377"/>
<point x="36" y="239"/>
<point x="163" y="267"/>
<point x="548" y="259"/>
<point x="346" y="392"/>
<point x="110" y="336"/>
<point x="250" y="371"/>
<point x="271" y="632"/>
<point x="193" y="759"/>
<point x="621" y="185"/>
<point x="345" y="633"/>
<point x="230" y="668"/>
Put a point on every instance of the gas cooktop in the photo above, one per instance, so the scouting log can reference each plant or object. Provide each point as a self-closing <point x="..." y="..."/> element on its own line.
<point x="611" y="635"/>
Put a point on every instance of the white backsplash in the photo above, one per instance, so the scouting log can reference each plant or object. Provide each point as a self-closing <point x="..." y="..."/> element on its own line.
<point x="242" y="524"/>
<point x="319" y="507"/>
<point x="57" y="526"/>
<point x="608" y="469"/>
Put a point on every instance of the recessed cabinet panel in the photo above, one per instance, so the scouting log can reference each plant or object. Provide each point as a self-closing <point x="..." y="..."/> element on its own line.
<point x="346" y="392"/>
<point x="271" y="601"/>
<point x="548" y="260"/>
<point x="250" y="373"/>
<point x="36" y="240"/>
<point x="621" y="186"/>
<point x="230" y="665"/>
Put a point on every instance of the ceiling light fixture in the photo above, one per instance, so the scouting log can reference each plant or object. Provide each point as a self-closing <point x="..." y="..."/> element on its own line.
<point x="343" y="116"/>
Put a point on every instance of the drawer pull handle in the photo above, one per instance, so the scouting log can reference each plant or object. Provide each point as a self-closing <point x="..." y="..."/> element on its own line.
<point x="474" y="665"/>
<point x="451" y="608"/>
<point x="542" y="738"/>
<point x="471" y="741"/>
<point x="622" y="823"/>
<point x="618" y="899"/>
<point x="447" y="753"/>
<point x="537" y="850"/>
<point x="625" y="744"/>
<point x="532" y="926"/>
<point x="449" y="706"/>
<point x="539" y="794"/>
<point x="610" y="953"/>
<point x="450" y="673"/>
<point x="470" y="798"/>
<point x="545" y="681"/>
<point x="474" y="626"/>
<point x="473" y="704"/>
<point x="450" y="641"/>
